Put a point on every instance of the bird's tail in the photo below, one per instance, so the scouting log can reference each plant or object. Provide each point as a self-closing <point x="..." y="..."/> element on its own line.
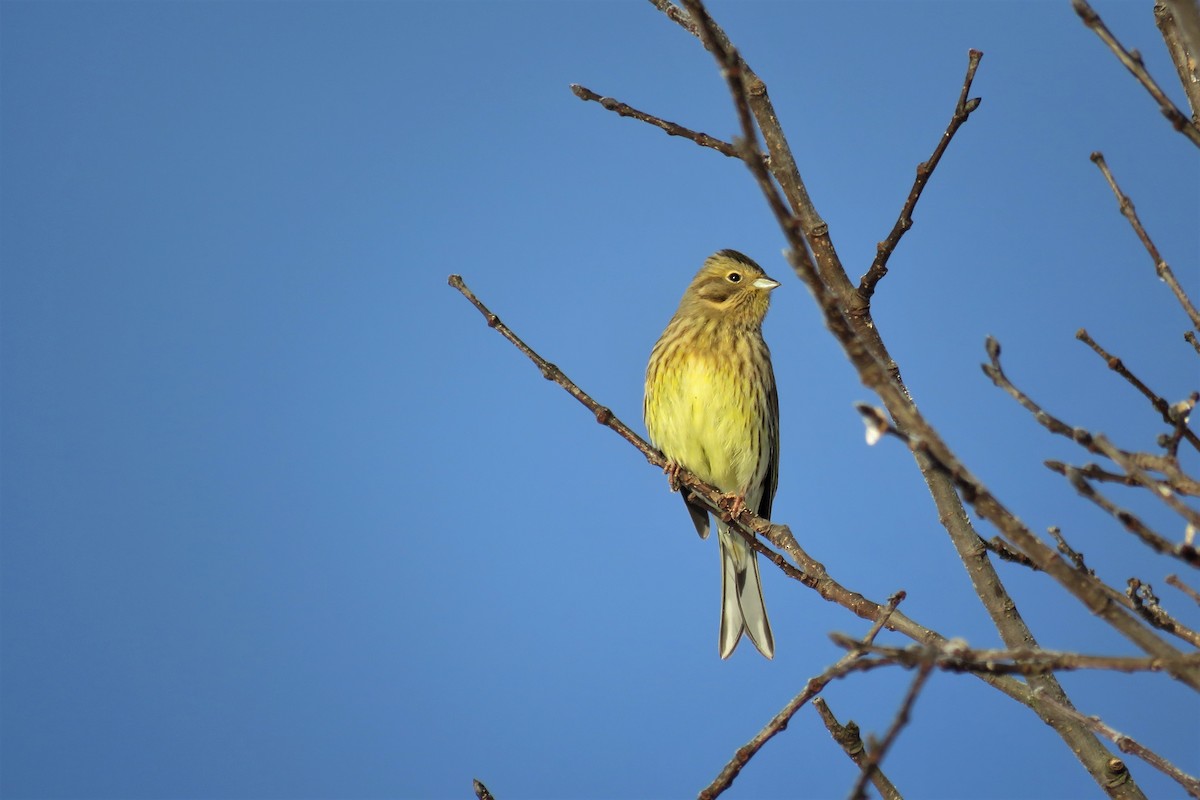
<point x="742" y="606"/>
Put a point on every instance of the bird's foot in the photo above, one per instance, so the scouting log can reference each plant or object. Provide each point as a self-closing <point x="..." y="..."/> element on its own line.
<point x="672" y="469"/>
<point x="734" y="504"/>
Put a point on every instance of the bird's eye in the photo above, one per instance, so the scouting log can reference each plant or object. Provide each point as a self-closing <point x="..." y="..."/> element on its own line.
<point x="734" y="277"/>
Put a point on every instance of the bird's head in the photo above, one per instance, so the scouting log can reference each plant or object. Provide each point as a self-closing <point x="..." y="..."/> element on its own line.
<point x="730" y="286"/>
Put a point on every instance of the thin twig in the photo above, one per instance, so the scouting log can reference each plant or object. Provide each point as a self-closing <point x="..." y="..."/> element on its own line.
<point x="1181" y="412"/>
<point x="1133" y="62"/>
<point x="850" y="662"/>
<point x="1176" y="481"/>
<point x="884" y="250"/>
<point x="1133" y="466"/>
<point x="1161" y="268"/>
<point x="1145" y="603"/>
<point x="875" y="757"/>
<point x="1174" y="580"/>
<point x="1190" y="338"/>
<point x="955" y="656"/>
<point x="1160" y="405"/>
<point x="1157" y="618"/>
<point x="1068" y="551"/>
<point x="850" y="740"/>
<point x="1129" y="745"/>
<point x="778" y="723"/>
<point x="1005" y="553"/>
<point x="1132" y="523"/>
<point x="893" y="602"/>
<point x="1091" y="471"/>
<point x="1101" y="446"/>
<point x="671" y="128"/>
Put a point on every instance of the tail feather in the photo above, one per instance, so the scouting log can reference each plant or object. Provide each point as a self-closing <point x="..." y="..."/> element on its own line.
<point x="742" y="608"/>
<point x="699" y="514"/>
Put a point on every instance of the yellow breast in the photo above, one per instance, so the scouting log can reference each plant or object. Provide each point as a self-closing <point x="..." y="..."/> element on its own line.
<point x="702" y="413"/>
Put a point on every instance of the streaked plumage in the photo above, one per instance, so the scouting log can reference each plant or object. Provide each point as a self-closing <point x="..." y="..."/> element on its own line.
<point x="711" y="407"/>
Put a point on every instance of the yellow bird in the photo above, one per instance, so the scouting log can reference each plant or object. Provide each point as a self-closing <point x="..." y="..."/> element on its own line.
<point x="711" y="407"/>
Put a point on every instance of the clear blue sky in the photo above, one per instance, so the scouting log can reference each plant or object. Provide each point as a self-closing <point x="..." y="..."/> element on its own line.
<point x="282" y="518"/>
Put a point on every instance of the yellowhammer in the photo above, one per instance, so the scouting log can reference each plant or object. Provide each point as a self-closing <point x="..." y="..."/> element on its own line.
<point x="711" y="408"/>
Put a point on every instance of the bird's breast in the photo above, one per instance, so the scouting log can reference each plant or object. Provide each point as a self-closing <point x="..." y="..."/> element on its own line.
<point x="709" y="418"/>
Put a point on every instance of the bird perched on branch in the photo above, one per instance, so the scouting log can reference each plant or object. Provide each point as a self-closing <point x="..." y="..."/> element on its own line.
<point x="712" y="409"/>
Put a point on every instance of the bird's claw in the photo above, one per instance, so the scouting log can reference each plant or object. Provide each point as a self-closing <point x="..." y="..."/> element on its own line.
<point x="672" y="469"/>
<point x="734" y="504"/>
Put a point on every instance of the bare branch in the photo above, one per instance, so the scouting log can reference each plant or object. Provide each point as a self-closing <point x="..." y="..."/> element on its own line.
<point x="884" y="250"/>
<point x="1068" y="551"/>
<point x="1093" y="472"/>
<point x="778" y="723"/>
<point x="1101" y="446"/>
<point x="671" y="128"/>
<point x="1160" y="405"/>
<point x="1133" y="62"/>
<point x="875" y="757"/>
<point x="954" y="656"/>
<point x="1179" y="23"/>
<point x="1158" y="618"/>
<point x="848" y="738"/>
<point x="1161" y="268"/>
<point x="1005" y="553"/>
<point x="1132" y="523"/>
<point x="1176" y="480"/>
<point x="752" y="93"/>
<point x="1173" y="580"/>
<point x="1145" y="603"/>
<point x="1134" y="465"/>
<point x="1128" y="745"/>
<point x="1191" y="339"/>
<point x="851" y="662"/>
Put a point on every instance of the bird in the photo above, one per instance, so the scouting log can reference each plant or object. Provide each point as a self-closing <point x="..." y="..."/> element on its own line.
<point x="711" y="407"/>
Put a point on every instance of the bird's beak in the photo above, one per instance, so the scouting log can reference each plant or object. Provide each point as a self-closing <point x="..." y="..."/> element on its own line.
<point x="766" y="283"/>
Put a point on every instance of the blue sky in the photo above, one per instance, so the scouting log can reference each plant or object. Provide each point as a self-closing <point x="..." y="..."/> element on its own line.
<point x="283" y="518"/>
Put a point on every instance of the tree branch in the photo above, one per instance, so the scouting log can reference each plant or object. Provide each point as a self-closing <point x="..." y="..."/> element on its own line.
<point x="1179" y="23"/>
<point x="957" y="657"/>
<point x="1161" y="268"/>
<point x="851" y="662"/>
<point x="481" y="791"/>
<point x="1127" y="744"/>
<point x="1190" y="338"/>
<point x="1145" y="603"/>
<point x="1132" y="60"/>
<point x="671" y="128"/>
<point x="875" y="757"/>
<point x="884" y="250"/>
<point x="1132" y="523"/>
<point x="848" y="738"/>
<point x="1160" y="405"/>
<point x="1173" y="580"/>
